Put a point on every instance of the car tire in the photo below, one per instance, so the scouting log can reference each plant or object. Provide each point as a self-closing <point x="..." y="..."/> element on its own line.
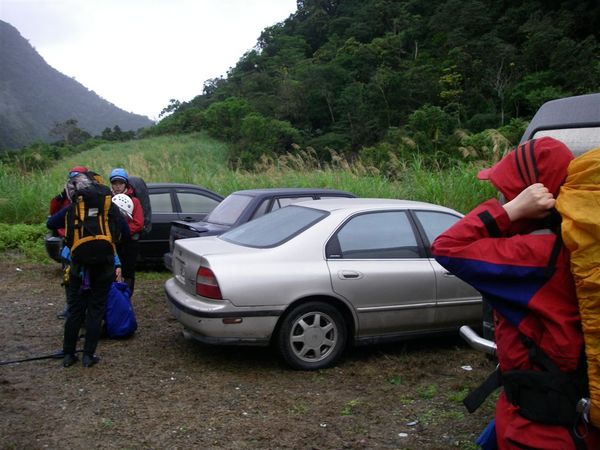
<point x="312" y="336"/>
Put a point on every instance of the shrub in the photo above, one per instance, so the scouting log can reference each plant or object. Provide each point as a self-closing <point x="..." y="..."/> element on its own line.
<point x="25" y="239"/>
<point x="224" y="119"/>
<point x="260" y="135"/>
<point x="329" y="141"/>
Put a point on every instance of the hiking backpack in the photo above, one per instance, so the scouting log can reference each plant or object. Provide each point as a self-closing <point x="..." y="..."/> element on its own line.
<point x="141" y="192"/>
<point x="94" y="176"/>
<point x="90" y="226"/>
<point x="579" y="206"/>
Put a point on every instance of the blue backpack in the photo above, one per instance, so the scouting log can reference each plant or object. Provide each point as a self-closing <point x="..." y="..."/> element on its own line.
<point x="119" y="317"/>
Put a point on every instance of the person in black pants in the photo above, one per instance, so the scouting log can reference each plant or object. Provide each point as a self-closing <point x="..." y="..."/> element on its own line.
<point x="87" y="292"/>
<point x="87" y="288"/>
<point x="128" y="247"/>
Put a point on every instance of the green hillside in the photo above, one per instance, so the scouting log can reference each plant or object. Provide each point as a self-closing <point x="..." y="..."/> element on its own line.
<point x="385" y="79"/>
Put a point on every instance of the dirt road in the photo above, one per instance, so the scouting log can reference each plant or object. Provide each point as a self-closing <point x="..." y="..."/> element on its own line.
<point x="160" y="391"/>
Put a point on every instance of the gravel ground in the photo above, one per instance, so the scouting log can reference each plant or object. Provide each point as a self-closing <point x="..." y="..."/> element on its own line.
<point x="157" y="390"/>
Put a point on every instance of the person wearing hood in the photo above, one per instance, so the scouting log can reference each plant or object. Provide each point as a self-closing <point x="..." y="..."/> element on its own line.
<point x="513" y="254"/>
<point x="64" y="197"/>
<point x="128" y="248"/>
<point x="86" y="285"/>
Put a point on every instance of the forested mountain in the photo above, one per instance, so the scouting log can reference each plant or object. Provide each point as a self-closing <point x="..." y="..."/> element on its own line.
<point x="408" y="75"/>
<point x="34" y="96"/>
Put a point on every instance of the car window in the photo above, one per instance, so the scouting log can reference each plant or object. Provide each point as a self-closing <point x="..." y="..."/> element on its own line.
<point x="579" y="140"/>
<point x="285" y="201"/>
<point x="229" y="210"/>
<point x="435" y="223"/>
<point x="262" y="209"/>
<point x="278" y="203"/>
<point x="161" y="202"/>
<point x="275" y="228"/>
<point x="377" y="235"/>
<point x="191" y="202"/>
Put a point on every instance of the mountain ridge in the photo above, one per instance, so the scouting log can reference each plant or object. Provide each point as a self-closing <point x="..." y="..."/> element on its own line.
<point x="34" y="96"/>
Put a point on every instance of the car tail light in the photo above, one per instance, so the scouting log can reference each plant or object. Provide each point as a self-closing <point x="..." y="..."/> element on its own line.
<point x="206" y="284"/>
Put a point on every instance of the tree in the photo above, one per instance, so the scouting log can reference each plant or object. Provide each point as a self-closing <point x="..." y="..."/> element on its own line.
<point x="173" y="106"/>
<point x="69" y="132"/>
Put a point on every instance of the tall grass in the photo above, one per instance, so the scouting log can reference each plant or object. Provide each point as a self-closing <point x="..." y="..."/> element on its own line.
<point x="198" y="159"/>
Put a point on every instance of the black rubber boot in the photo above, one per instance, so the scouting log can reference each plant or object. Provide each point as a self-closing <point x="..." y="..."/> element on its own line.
<point x="89" y="360"/>
<point x="69" y="359"/>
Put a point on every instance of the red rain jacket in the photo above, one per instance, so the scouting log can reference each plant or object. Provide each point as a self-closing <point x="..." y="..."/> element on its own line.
<point x="56" y="204"/>
<point x="136" y="223"/>
<point x="507" y="262"/>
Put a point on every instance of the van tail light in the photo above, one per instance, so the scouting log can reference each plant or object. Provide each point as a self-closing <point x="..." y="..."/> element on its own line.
<point x="206" y="284"/>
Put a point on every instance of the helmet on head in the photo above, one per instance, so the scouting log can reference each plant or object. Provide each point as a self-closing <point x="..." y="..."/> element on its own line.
<point x="77" y="170"/>
<point x="76" y="183"/>
<point x="124" y="203"/>
<point x="119" y="174"/>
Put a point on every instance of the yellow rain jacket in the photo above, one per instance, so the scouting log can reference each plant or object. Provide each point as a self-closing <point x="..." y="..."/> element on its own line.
<point x="579" y="206"/>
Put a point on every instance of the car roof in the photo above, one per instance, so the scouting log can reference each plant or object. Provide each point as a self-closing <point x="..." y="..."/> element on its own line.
<point x="180" y="185"/>
<point x="292" y="191"/>
<point x="569" y="112"/>
<point x="360" y="204"/>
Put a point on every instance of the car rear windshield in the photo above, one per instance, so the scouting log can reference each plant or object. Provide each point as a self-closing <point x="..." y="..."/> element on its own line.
<point x="229" y="210"/>
<point x="275" y="228"/>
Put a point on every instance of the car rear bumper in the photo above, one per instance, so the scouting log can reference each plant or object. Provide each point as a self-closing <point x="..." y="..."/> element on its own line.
<point x="219" y="322"/>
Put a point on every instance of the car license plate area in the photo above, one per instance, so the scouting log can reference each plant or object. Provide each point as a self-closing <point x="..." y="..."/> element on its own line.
<point x="179" y="270"/>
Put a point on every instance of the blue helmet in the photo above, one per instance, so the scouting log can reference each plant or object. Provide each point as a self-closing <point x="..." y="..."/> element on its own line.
<point x="119" y="174"/>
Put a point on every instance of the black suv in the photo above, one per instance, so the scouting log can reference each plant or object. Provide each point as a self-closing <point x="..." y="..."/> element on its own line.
<point x="243" y="206"/>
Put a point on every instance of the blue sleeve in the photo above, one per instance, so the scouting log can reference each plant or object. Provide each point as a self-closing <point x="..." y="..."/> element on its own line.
<point x="57" y="220"/>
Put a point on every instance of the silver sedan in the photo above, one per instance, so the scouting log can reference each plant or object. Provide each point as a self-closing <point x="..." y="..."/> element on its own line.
<point x="313" y="277"/>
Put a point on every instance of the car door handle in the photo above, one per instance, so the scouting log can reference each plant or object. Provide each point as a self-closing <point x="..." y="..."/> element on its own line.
<point x="349" y="275"/>
<point x="449" y="274"/>
<point x="189" y="219"/>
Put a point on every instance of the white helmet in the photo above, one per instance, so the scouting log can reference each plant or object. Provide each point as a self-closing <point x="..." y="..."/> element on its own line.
<point x="124" y="203"/>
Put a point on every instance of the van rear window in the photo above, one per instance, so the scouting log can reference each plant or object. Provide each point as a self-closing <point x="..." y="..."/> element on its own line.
<point x="579" y="140"/>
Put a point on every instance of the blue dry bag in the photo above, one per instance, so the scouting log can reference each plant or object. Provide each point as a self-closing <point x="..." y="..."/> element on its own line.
<point x="119" y="318"/>
<point x="487" y="439"/>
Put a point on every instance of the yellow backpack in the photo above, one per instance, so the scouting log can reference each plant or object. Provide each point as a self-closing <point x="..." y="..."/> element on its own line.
<point x="579" y="205"/>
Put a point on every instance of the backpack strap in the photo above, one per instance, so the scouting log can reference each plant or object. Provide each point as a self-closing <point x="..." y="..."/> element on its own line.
<point x="551" y="266"/>
<point x="477" y="396"/>
<point x="547" y="395"/>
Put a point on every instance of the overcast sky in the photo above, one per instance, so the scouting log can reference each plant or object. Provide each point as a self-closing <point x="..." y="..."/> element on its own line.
<point x="138" y="54"/>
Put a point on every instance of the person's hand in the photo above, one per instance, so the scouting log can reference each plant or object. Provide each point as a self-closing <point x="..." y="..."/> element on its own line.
<point x="118" y="274"/>
<point x="534" y="202"/>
